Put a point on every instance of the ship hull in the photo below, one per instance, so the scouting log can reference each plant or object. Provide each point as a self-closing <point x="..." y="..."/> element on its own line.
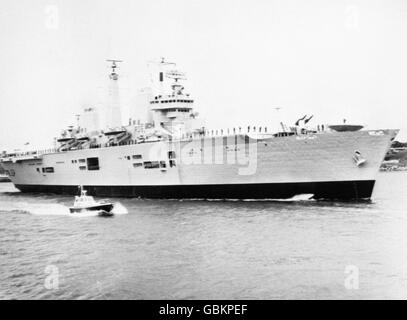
<point x="215" y="167"/>
<point x="334" y="190"/>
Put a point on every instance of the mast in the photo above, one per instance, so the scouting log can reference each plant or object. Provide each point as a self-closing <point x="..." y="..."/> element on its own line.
<point x="113" y="114"/>
<point x="159" y="77"/>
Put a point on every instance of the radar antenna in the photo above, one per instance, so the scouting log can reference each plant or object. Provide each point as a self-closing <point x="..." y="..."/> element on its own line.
<point x="161" y="62"/>
<point x="176" y="75"/>
<point x="113" y="75"/>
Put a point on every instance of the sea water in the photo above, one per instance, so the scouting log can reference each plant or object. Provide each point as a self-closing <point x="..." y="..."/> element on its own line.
<point x="170" y="249"/>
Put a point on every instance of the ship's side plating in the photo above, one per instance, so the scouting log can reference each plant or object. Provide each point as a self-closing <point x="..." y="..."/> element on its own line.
<point x="232" y="167"/>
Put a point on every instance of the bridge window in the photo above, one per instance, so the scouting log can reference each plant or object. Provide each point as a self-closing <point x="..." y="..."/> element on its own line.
<point x="93" y="163"/>
<point x="82" y="167"/>
<point x="171" y="154"/>
<point x="137" y="156"/>
<point x="163" y="164"/>
<point x="49" y="170"/>
<point x="137" y="165"/>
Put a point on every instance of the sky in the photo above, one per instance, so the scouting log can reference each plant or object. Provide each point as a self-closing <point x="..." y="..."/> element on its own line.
<point x="243" y="59"/>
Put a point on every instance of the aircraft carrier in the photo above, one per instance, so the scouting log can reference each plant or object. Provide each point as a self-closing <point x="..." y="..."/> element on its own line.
<point x="165" y="151"/>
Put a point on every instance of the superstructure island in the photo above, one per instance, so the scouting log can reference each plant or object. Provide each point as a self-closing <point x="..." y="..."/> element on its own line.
<point x="165" y="151"/>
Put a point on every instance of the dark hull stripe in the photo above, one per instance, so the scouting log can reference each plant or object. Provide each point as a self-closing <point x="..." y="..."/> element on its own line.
<point x="341" y="190"/>
<point x="105" y="207"/>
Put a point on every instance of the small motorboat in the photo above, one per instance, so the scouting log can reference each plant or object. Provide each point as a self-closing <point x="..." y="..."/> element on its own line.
<point x="85" y="203"/>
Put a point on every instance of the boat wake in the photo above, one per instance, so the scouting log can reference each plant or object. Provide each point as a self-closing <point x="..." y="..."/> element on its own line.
<point x="40" y="209"/>
<point x="119" y="209"/>
<point x="297" y="197"/>
<point x="85" y="214"/>
<point x="54" y="209"/>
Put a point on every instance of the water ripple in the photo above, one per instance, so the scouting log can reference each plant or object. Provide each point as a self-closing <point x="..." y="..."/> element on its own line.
<point x="167" y="249"/>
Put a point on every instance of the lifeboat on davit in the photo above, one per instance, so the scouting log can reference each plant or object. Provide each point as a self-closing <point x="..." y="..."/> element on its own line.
<point x="64" y="139"/>
<point x="345" y="127"/>
<point x="113" y="132"/>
